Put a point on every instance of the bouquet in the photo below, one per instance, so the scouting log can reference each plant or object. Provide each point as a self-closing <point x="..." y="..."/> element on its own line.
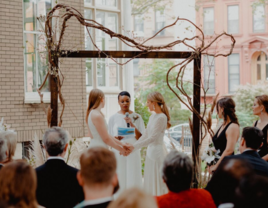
<point x="210" y="155"/>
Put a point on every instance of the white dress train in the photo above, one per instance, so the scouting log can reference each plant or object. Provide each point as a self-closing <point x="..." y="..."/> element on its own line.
<point x="156" y="151"/>
<point x="128" y="168"/>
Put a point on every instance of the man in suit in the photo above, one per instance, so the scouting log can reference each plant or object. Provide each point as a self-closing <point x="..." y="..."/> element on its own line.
<point x="57" y="185"/>
<point x="177" y="174"/>
<point x="251" y="141"/>
<point x="3" y="150"/>
<point x="98" y="177"/>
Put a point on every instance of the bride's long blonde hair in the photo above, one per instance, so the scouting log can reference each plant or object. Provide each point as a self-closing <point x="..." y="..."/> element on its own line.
<point x="159" y="99"/>
<point x="94" y="100"/>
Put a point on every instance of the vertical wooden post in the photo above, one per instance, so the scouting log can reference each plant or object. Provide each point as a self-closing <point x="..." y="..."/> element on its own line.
<point x="53" y="99"/>
<point x="196" y="121"/>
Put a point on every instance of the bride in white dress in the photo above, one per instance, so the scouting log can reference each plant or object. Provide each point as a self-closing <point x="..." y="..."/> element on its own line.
<point x="128" y="168"/>
<point x="153" y="138"/>
<point x="97" y="126"/>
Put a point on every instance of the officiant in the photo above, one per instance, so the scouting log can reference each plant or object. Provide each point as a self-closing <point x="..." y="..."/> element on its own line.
<point x="128" y="168"/>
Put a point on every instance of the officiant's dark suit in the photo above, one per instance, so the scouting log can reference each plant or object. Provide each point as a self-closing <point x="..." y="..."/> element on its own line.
<point x="252" y="139"/>
<point x="57" y="185"/>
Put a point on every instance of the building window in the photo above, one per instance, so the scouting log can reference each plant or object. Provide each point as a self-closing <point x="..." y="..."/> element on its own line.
<point x="34" y="42"/>
<point x="259" y="19"/>
<point x="209" y="74"/>
<point x="160" y="21"/>
<point x="138" y="26"/>
<point x="234" y="72"/>
<point x="208" y="21"/>
<point x="136" y="70"/>
<point x="262" y="67"/>
<point x="233" y="19"/>
<point x="106" y="71"/>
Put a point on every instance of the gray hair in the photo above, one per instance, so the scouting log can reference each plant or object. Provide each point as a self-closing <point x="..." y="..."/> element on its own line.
<point x="3" y="147"/>
<point x="54" y="140"/>
<point x="177" y="171"/>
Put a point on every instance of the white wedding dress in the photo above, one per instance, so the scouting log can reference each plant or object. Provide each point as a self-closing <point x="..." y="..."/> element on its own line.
<point x="96" y="140"/>
<point x="156" y="151"/>
<point x="128" y="168"/>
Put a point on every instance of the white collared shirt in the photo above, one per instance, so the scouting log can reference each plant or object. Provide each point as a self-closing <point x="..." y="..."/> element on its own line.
<point x="248" y="149"/>
<point x="97" y="201"/>
<point x="55" y="157"/>
<point x="226" y="205"/>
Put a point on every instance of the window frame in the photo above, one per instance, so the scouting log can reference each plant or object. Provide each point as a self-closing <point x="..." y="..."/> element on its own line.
<point x="205" y="58"/>
<point x="229" y="90"/>
<point x="253" y="21"/>
<point x="228" y="20"/>
<point x="205" y="8"/>
<point x="32" y="97"/>
<point x="162" y="33"/>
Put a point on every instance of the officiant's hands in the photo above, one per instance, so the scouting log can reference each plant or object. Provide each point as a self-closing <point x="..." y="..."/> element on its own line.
<point x="128" y="148"/>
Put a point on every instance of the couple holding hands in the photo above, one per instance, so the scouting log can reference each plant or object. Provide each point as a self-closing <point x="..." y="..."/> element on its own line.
<point x="128" y="153"/>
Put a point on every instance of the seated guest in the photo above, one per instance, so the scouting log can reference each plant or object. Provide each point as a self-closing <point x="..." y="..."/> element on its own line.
<point x="134" y="198"/>
<point x="3" y="150"/>
<point x="251" y="141"/>
<point x="252" y="192"/>
<point x="57" y="185"/>
<point x="226" y="179"/>
<point x="18" y="185"/>
<point x="177" y="174"/>
<point x="97" y="177"/>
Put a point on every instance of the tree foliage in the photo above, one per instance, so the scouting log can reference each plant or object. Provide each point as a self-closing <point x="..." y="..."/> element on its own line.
<point x="142" y="110"/>
<point x="142" y="6"/>
<point x="155" y="80"/>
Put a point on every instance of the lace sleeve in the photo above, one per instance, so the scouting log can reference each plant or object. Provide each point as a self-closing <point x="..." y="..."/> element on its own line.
<point x="159" y="125"/>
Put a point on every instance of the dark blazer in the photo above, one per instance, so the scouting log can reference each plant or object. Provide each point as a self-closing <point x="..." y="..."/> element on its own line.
<point x="102" y="205"/>
<point x="57" y="185"/>
<point x="259" y="165"/>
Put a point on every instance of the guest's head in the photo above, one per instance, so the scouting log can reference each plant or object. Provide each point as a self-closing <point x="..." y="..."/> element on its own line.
<point x="226" y="179"/>
<point x="177" y="171"/>
<point x="96" y="99"/>
<point x="252" y="138"/>
<point x="98" y="170"/>
<point x="134" y="198"/>
<point x="124" y="100"/>
<point x="3" y="149"/>
<point x="18" y="185"/>
<point x="252" y="192"/>
<point x="11" y="142"/>
<point x="226" y="109"/>
<point x="260" y="105"/>
<point x="156" y="100"/>
<point x="55" y="141"/>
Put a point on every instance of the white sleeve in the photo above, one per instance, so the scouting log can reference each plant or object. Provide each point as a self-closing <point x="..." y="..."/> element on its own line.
<point x="159" y="126"/>
<point x="110" y="126"/>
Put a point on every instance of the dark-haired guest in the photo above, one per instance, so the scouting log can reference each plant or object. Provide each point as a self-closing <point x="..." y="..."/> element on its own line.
<point x="252" y="192"/>
<point x="98" y="177"/>
<point x="128" y="167"/>
<point x="226" y="179"/>
<point x="260" y="109"/>
<point x="57" y="185"/>
<point x="251" y="141"/>
<point x="18" y="185"/>
<point x="228" y="134"/>
<point x="177" y="174"/>
<point x="3" y="150"/>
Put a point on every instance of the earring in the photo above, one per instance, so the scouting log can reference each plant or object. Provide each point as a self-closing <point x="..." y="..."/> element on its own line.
<point x="153" y="107"/>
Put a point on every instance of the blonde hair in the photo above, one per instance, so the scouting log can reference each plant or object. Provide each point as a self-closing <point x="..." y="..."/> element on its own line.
<point x="134" y="198"/>
<point x="11" y="139"/>
<point x="94" y="100"/>
<point x="159" y="99"/>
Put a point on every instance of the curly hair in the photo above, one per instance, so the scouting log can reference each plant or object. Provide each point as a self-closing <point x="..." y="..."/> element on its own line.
<point x="228" y="106"/>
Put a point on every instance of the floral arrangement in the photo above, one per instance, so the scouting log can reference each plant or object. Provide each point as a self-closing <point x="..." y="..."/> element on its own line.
<point x="5" y="127"/>
<point x="210" y="155"/>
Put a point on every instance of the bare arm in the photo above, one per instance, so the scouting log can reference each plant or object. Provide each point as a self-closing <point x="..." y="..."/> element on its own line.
<point x="100" y="125"/>
<point x="232" y="136"/>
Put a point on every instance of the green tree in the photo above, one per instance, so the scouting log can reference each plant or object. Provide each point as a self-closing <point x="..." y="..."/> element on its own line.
<point x="244" y="99"/>
<point x="142" y="110"/>
<point x="156" y="81"/>
<point x="142" y="6"/>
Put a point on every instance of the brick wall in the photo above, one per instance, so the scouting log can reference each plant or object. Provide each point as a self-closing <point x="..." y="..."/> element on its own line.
<point x="28" y="119"/>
